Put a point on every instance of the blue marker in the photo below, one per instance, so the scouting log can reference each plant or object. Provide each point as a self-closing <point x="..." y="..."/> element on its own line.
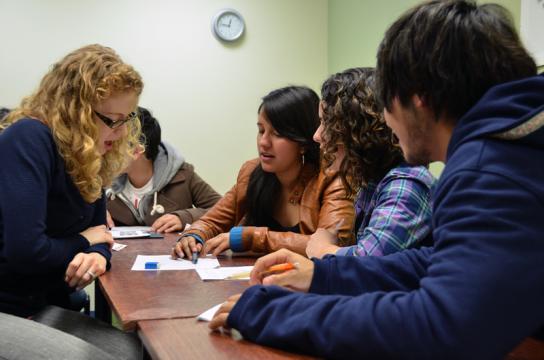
<point x="195" y="257"/>
<point x="152" y="265"/>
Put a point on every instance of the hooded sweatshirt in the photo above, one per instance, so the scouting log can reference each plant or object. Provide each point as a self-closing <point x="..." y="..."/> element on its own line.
<point x="176" y="188"/>
<point x="475" y="295"/>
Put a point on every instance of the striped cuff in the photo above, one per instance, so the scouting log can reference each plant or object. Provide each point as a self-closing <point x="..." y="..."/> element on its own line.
<point x="235" y="239"/>
<point x="194" y="236"/>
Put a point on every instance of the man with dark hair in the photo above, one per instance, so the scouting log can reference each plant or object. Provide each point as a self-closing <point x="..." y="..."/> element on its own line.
<point x="159" y="188"/>
<point x="458" y="87"/>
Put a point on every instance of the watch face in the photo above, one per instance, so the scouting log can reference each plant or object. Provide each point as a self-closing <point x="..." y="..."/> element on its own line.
<point x="228" y="25"/>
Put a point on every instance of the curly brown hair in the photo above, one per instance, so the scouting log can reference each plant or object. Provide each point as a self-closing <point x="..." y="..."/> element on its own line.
<point x="352" y="118"/>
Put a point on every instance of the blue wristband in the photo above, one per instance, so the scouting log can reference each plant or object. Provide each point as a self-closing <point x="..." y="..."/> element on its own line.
<point x="235" y="239"/>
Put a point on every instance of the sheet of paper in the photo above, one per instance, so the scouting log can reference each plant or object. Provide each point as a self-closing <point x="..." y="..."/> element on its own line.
<point x="118" y="247"/>
<point x="208" y="314"/>
<point x="167" y="263"/>
<point x="223" y="273"/>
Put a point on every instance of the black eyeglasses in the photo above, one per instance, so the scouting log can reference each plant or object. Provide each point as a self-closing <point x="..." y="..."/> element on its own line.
<point x="113" y="124"/>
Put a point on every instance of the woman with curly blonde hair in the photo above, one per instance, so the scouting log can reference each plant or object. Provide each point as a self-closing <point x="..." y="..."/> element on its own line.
<point x="393" y="206"/>
<point x="60" y="148"/>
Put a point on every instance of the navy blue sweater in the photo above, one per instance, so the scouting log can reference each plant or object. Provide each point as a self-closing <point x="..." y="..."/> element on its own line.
<point x="41" y="216"/>
<point x="476" y="294"/>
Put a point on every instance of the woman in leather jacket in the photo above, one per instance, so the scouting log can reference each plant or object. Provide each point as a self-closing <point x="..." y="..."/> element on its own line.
<point x="282" y="197"/>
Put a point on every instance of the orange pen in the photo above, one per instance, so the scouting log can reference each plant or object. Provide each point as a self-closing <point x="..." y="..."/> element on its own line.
<point x="278" y="268"/>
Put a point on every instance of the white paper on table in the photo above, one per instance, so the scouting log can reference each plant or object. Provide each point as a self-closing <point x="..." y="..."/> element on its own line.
<point x="223" y="272"/>
<point x="167" y="263"/>
<point x="127" y="232"/>
<point x="208" y="314"/>
<point x="118" y="247"/>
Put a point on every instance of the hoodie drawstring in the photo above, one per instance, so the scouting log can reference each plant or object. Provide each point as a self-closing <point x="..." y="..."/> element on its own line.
<point x="156" y="208"/>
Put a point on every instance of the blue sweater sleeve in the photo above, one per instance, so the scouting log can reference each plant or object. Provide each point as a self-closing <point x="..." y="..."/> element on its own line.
<point x="353" y="276"/>
<point x="100" y="219"/>
<point x="481" y="295"/>
<point x="29" y="156"/>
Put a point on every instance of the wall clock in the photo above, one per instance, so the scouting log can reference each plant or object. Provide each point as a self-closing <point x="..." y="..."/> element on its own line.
<point x="228" y="25"/>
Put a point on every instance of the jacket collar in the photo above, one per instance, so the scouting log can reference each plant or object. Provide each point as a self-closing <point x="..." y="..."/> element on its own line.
<point x="306" y="174"/>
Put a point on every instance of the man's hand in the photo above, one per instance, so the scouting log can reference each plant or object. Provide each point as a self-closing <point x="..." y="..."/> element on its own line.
<point x="298" y="279"/>
<point x="167" y="223"/>
<point x="220" y="318"/>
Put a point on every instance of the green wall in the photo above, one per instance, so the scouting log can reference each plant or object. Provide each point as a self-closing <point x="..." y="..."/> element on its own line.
<point x="356" y="28"/>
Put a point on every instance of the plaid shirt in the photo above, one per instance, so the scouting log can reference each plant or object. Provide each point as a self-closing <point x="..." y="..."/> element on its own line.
<point x="393" y="215"/>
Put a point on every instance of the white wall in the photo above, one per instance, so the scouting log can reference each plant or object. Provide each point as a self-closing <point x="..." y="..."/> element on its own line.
<point x="204" y="93"/>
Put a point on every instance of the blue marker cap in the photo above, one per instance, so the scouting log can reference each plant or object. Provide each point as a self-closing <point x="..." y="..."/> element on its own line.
<point x="152" y="265"/>
<point x="195" y="257"/>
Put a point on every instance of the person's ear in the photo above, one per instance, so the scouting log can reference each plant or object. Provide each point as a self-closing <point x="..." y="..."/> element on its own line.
<point x="419" y="101"/>
<point x="420" y="105"/>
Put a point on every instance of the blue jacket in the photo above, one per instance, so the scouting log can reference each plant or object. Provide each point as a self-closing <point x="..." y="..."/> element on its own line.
<point x="41" y="216"/>
<point x="475" y="295"/>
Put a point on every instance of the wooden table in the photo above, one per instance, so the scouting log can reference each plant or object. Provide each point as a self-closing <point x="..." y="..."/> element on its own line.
<point x="152" y="295"/>
<point x="163" y="306"/>
<point x="191" y="339"/>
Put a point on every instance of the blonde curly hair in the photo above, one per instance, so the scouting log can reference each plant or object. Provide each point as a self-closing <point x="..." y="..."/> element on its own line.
<point x="64" y="102"/>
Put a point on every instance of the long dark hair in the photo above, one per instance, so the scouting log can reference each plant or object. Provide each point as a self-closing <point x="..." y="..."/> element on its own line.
<point x="293" y="113"/>
<point x="352" y="117"/>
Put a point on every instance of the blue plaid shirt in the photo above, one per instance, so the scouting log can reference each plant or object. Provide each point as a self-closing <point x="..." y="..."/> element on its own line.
<point x="393" y="215"/>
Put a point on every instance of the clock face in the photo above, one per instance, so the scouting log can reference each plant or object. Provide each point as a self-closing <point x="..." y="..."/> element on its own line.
<point x="228" y="25"/>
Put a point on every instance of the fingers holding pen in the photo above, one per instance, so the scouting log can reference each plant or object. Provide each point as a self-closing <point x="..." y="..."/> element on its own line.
<point x="185" y="247"/>
<point x="283" y="268"/>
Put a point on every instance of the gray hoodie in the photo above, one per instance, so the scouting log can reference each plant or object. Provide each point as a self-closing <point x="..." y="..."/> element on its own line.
<point x="165" y="167"/>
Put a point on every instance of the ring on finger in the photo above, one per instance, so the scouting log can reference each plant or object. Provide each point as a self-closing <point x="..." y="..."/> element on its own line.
<point x="91" y="274"/>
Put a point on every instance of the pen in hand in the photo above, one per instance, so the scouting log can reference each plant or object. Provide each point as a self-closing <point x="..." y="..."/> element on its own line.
<point x="274" y="269"/>
<point x="194" y="258"/>
<point x="278" y="268"/>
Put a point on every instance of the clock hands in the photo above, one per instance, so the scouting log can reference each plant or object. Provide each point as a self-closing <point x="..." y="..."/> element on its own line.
<point x="225" y="24"/>
<point x="228" y="25"/>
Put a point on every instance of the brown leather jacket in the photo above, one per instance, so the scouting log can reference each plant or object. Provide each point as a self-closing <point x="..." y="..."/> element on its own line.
<point x="322" y="202"/>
